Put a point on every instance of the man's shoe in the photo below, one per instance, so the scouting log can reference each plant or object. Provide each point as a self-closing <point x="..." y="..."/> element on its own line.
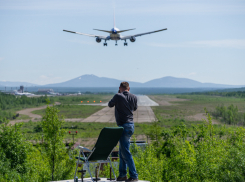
<point x="122" y="178"/>
<point x="132" y="179"/>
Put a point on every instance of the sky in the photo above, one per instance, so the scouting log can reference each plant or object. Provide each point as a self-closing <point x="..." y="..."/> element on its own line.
<point x="205" y="40"/>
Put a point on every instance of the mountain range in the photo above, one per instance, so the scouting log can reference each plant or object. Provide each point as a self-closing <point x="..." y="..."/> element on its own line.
<point x="166" y="82"/>
<point x="95" y="81"/>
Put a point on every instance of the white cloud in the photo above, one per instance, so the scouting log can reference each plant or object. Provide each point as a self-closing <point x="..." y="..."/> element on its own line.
<point x="227" y="43"/>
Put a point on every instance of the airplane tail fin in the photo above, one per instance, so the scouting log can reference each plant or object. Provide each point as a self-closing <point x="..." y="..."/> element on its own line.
<point x="114" y="19"/>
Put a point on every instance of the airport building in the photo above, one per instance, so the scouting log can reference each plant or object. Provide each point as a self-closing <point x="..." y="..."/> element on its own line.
<point x="21" y="90"/>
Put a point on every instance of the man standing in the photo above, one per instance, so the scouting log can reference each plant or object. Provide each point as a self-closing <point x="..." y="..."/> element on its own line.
<point x="125" y="103"/>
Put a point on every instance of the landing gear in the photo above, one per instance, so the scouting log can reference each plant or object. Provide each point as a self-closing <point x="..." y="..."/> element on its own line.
<point x="105" y="44"/>
<point x="125" y="43"/>
<point x="116" y="43"/>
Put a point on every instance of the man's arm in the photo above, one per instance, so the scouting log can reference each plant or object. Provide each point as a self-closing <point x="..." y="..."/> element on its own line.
<point x="136" y="104"/>
<point x="112" y="102"/>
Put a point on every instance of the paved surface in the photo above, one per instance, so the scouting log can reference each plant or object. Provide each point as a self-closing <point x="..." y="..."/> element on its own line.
<point x="144" y="100"/>
<point x="89" y="180"/>
<point x="144" y="112"/>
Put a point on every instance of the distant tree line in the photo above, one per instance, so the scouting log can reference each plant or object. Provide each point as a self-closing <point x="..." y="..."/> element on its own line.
<point x="229" y="115"/>
<point x="240" y="94"/>
<point x="9" y="102"/>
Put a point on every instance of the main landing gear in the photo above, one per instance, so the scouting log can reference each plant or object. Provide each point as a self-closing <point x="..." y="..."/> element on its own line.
<point x="125" y="43"/>
<point x="105" y="44"/>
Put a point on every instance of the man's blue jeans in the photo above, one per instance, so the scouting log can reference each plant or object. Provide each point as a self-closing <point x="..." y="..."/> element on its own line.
<point x="126" y="159"/>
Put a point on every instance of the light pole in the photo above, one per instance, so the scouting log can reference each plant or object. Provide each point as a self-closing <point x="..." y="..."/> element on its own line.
<point x="73" y="133"/>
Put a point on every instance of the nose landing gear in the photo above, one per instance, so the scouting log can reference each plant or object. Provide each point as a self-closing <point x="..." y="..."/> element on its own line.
<point x="105" y="44"/>
<point x="116" y="43"/>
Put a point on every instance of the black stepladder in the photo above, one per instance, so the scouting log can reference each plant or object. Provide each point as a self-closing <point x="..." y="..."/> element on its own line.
<point x="107" y="141"/>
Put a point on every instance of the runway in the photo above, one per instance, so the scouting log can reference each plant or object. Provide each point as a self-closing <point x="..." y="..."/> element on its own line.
<point x="144" y="112"/>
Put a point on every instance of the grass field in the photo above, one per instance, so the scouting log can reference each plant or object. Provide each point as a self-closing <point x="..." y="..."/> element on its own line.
<point x="186" y="108"/>
<point x="73" y="111"/>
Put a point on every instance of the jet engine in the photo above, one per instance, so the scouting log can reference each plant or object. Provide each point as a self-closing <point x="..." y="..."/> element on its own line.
<point x="98" y="40"/>
<point x="132" y="39"/>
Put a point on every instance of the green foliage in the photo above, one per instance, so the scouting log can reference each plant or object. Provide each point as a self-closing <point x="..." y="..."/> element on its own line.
<point x="19" y="160"/>
<point x="154" y="132"/>
<point x="10" y="103"/>
<point x="229" y="115"/>
<point x="60" y="165"/>
<point x="197" y="153"/>
<point x="13" y="146"/>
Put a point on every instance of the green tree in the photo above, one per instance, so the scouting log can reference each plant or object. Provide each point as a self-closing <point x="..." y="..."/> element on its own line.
<point x="60" y="164"/>
<point x="154" y="132"/>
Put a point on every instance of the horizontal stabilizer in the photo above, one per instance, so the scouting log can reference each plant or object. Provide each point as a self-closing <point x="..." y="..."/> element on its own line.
<point x="103" y="30"/>
<point x="120" y="31"/>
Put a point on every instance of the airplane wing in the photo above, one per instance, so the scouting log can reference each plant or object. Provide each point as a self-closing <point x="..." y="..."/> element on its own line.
<point x="90" y="35"/>
<point x="136" y="35"/>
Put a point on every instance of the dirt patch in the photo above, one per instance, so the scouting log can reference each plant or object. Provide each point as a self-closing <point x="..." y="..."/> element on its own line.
<point x="166" y="101"/>
<point x="201" y="117"/>
<point x="28" y="112"/>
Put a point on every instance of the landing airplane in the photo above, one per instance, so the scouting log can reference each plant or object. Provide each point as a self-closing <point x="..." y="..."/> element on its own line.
<point x="115" y="35"/>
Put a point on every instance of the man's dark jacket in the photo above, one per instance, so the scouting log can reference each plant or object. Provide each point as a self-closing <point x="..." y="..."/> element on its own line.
<point x="125" y="103"/>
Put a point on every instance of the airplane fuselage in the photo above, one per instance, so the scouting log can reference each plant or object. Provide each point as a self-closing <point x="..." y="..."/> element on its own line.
<point x="114" y="35"/>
